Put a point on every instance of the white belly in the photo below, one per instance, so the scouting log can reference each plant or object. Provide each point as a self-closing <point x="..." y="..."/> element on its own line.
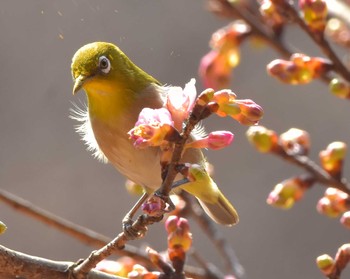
<point x="142" y="166"/>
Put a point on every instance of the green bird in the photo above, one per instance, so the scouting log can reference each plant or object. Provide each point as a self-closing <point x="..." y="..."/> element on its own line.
<point x="117" y="90"/>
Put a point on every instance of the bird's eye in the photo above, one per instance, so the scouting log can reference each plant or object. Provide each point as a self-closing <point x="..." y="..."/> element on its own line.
<point x="104" y="64"/>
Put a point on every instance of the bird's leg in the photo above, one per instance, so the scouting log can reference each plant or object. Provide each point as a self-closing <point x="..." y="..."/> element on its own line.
<point x="180" y="183"/>
<point x="127" y="220"/>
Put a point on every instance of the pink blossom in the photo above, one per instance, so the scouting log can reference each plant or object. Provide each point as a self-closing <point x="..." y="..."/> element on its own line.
<point x="151" y="128"/>
<point x="215" y="140"/>
<point x="180" y="102"/>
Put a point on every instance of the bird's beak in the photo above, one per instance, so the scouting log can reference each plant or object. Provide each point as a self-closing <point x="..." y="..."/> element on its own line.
<point x="78" y="83"/>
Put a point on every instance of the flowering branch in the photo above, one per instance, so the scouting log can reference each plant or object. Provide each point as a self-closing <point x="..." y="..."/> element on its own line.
<point x="317" y="37"/>
<point x="275" y="14"/>
<point x="293" y="146"/>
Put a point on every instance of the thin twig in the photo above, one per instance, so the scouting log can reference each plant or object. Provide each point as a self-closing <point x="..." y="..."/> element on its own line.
<point x="211" y="270"/>
<point x="315" y="170"/>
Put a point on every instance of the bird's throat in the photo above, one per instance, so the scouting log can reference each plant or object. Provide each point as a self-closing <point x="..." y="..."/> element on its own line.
<point x="108" y="103"/>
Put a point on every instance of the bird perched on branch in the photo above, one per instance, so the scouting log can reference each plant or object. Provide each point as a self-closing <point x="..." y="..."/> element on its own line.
<point x="117" y="90"/>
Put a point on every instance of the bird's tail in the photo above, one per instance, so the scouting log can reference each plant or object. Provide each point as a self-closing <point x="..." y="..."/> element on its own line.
<point x="222" y="212"/>
<point x="214" y="203"/>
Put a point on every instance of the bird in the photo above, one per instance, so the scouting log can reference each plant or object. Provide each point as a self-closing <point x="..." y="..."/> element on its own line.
<point x="117" y="90"/>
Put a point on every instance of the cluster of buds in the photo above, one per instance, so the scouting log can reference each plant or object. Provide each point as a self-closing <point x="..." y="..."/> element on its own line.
<point x="216" y="66"/>
<point x="297" y="142"/>
<point x="294" y="141"/>
<point x="339" y="88"/>
<point x="300" y="69"/>
<point x="270" y="13"/>
<point x="332" y="158"/>
<point x="338" y="31"/>
<point x="179" y="240"/>
<point x="314" y="13"/>
<point x="334" y="203"/>
<point x="332" y="268"/>
<point x="246" y="111"/>
<point x="286" y="193"/>
<point x="158" y="127"/>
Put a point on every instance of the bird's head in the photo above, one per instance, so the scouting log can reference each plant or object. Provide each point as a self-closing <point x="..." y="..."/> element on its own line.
<point x="103" y="67"/>
<point x="95" y="64"/>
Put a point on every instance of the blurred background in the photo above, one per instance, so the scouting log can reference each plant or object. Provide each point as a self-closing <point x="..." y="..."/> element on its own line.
<point x="43" y="160"/>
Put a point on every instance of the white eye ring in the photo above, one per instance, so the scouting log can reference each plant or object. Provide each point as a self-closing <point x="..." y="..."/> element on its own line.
<point x="104" y="64"/>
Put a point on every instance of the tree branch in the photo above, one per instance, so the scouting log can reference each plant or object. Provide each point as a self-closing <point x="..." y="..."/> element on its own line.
<point x="14" y="263"/>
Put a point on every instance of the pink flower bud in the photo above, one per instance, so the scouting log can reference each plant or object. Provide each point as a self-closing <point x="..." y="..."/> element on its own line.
<point x="179" y="234"/>
<point x="215" y="140"/>
<point x="154" y="206"/>
<point x="250" y="113"/>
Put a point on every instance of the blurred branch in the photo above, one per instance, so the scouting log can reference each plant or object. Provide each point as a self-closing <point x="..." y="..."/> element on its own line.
<point x="315" y="170"/>
<point x="317" y="37"/>
<point x="20" y="265"/>
<point x="229" y="257"/>
<point x="257" y="27"/>
<point x="260" y="29"/>
<point x="83" y="234"/>
<point x="211" y="270"/>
